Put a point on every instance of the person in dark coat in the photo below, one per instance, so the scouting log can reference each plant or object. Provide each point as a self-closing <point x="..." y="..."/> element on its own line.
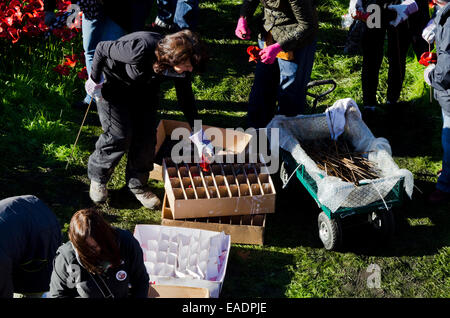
<point x="30" y="234"/>
<point x="438" y="76"/>
<point x="402" y="21"/>
<point x="126" y="76"/>
<point x="288" y="45"/>
<point x="99" y="261"/>
<point x="103" y="20"/>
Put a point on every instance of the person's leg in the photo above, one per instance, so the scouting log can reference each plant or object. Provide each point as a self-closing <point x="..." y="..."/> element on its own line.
<point x="294" y="76"/>
<point x="416" y="23"/>
<point x="165" y="12"/>
<point x="399" y="41"/>
<point x="372" y="48"/>
<point x="443" y="182"/>
<point x="113" y="142"/>
<point x="142" y="148"/>
<point x="90" y="42"/>
<point x="186" y="14"/>
<point x="140" y="12"/>
<point x="263" y="94"/>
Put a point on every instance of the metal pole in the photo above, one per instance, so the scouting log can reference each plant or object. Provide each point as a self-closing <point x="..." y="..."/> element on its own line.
<point x="79" y="132"/>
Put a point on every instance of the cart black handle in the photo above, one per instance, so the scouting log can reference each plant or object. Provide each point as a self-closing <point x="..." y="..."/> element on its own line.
<point x="317" y="97"/>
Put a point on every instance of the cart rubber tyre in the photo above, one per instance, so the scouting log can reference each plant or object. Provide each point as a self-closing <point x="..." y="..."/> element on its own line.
<point x="383" y="223"/>
<point x="329" y="232"/>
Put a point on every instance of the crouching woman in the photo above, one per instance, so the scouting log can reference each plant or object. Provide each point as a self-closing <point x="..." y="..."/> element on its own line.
<point x="99" y="261"/>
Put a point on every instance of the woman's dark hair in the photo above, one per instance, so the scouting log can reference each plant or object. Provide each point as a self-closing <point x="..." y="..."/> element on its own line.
<point x="89" y="223"/>
<point x="178" y="47"/>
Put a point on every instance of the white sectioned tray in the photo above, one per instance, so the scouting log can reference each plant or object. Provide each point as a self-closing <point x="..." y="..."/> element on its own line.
<point x="176" y="256"/>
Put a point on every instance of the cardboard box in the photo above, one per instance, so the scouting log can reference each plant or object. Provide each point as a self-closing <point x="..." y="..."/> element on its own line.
<point x="224" y="190"/>
<point x="176" y="256"/>
<point x="243" y="229"/>
<point x="233" y="142"/>
<point x="166" y="291"/>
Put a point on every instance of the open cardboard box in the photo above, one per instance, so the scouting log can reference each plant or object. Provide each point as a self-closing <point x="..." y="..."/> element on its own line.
<point x="167" y="291"/>
<point x="175" y="256"/>
<point x="234" y="142"/>
<point x="221" y="190"/>
<point x="243" y="229"/>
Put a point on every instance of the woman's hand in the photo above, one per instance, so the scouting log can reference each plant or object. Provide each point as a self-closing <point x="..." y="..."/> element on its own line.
<point x="242" y="31"/>
<point x="269" y="54"/>
<point x="93" y="89"/>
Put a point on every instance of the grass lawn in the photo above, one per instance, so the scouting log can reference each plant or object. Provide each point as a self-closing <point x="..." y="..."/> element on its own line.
<point x="38" y="128"/>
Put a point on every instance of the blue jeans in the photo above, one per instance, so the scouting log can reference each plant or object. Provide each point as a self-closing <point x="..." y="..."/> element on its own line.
<point x="183" y="13"/>
<point x="283" y="81"/>
<point x="443" y="183"/>
<point x="95" y="31"/>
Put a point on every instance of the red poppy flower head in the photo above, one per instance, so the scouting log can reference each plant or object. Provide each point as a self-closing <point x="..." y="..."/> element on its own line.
<point x="428" y="58"/>
<point x="253" y="51"/>
<point x="62" y="70"/>
<point x="83" y="74"/>
<point x="71" y="60"/>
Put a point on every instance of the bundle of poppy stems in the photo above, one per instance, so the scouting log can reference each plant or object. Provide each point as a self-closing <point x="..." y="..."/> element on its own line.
<point x="336" y="159"/>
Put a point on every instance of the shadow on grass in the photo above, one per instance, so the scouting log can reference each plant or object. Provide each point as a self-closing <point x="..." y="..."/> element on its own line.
<point x="69" y="196"/>
<point x="421" y="229"/>
<point x="257" y="272"/>
<point x="295" y="224"/>
<point x="409" y="127"/>
<point x="213" y="113"/>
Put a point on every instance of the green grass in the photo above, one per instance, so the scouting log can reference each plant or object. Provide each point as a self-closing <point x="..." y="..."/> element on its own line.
<point x="38" y="128"/>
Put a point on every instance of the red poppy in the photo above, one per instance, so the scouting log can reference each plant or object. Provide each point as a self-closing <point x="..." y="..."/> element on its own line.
<point x="14" y="34"/>
<point x="361" y="16"/>
<point x="253" y="51"/>
<point x="65" y="34"/>
<point x="62" y="70"/>
<point x="71" y="60"/>
<point x="62" y="5"/>
<point x="83" y="74"/>
<point x="3" y="33"/>
<point x="31" y="29"/>
<point x="428" y="58"/>
<point x="8" y="20"/>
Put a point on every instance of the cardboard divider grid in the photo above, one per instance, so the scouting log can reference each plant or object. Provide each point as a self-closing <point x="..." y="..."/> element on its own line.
<point x="220" y="181"/>
<point x="216" y="177"/>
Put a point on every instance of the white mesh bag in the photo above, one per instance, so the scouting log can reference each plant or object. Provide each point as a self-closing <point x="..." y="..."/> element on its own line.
<point x="333" y="192"/>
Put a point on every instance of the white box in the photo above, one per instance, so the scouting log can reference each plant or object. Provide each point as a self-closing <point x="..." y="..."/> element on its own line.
<point x="164" y="274"/>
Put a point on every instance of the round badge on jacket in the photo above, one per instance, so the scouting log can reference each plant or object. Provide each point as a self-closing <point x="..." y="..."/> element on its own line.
<point x="121" y="275"/>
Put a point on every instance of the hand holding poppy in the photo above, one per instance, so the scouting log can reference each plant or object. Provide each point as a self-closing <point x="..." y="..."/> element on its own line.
<point x="269" y="54"/>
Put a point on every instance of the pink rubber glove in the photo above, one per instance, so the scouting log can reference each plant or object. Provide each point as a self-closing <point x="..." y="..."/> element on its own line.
<point x="269" y="54"/>
<point x="242" y="31"/>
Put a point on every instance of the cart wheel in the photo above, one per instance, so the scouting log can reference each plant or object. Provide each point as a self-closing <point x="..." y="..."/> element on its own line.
<point x="383" y="223"/>
<point x="329" y="232"/>
<point x="284" y="175"/>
